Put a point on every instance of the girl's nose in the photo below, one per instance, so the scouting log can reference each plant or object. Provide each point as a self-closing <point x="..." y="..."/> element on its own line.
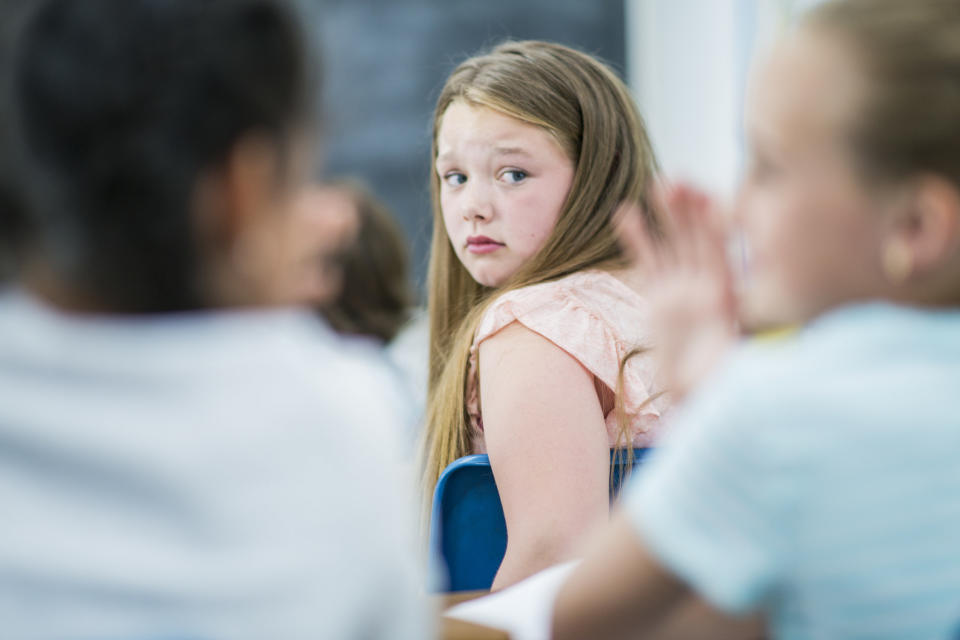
<point x="477" y="207"/>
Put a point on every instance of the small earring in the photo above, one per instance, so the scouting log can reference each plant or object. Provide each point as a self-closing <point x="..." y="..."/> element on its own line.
<point x="897" y="262"/>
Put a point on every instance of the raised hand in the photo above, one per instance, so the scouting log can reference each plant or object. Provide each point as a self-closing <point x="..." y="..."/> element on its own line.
<point x="687" y="281"/>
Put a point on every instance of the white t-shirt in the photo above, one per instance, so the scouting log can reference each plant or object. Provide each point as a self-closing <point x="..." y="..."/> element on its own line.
<point x="222" y="475"/>
<point x="408" y="354"/>
<point x="818" y="480"/>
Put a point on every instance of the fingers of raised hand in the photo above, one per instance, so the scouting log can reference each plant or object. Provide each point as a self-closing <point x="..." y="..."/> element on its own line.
<point x="635" y="237"/>
<point x="696" y="229"/>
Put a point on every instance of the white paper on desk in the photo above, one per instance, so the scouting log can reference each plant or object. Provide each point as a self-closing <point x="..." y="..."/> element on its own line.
<point x="524" y="610"/>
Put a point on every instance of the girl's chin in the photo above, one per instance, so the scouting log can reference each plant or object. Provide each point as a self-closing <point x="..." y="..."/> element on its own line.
<point x="489" y="271"/>
<point x="488" y="279"/>
<point x="490" y="283"/>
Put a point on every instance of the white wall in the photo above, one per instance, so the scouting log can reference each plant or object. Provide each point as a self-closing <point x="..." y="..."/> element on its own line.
<point x="687" y="63"/>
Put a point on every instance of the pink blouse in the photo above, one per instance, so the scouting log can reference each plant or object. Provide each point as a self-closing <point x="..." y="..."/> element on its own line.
<point x="595" y="318"/>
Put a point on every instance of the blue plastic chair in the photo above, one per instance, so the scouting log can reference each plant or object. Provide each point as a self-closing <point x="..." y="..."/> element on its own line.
<point x="468" y="532"/>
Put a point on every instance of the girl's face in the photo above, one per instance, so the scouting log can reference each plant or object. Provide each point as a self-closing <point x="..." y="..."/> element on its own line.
<point x="503" y="183"/>
<point x="811" y="227"/>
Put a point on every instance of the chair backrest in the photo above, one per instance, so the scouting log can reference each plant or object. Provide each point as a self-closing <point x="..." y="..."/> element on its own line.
<point x="467" y="529"/>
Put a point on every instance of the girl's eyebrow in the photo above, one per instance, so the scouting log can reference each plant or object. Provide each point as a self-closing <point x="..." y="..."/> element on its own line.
<point x="511" y="151"/>
<point x="500" y="151"/>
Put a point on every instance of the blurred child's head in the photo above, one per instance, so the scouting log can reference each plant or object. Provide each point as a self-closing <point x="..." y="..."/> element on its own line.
<point x="534" y="146"/>
<point x="166" y="140"/>
<point x="324" y="223"/>
<point x="375" y="298"/>
<point x="854" y="187"/>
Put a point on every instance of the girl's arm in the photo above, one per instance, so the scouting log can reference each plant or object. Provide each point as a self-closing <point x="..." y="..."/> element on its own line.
<point x="621" y="591"/>
<point x="548" y="447"/>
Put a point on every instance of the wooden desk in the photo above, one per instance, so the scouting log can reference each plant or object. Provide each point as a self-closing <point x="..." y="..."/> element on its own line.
<point x="450" y="629"/>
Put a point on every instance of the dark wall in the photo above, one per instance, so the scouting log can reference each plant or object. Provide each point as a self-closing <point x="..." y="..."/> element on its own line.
<point x="11" y="213"/>
<point x="385" y="62"/>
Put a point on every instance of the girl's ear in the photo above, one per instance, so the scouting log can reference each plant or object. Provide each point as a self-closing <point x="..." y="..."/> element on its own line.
<point x="924" y="235"/>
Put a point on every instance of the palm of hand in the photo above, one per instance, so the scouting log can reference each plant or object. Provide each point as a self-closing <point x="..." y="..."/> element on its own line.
<point x="688" y="286"/>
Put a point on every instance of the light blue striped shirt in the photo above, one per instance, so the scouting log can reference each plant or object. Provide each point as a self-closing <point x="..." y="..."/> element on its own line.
<point x="818" y="479"/>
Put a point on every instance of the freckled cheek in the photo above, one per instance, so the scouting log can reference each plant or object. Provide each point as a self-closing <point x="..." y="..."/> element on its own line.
<point x="539" y="217"/>
<point x="451" y="221"/>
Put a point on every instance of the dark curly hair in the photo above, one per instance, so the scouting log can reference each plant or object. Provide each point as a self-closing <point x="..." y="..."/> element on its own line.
<point x="122" y="105"/>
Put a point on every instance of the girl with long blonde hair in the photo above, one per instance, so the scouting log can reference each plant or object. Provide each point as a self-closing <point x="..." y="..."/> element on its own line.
<point x="535" y="322"/>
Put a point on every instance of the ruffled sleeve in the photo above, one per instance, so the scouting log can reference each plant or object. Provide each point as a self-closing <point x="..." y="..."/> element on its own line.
<point x="575" y="314"/>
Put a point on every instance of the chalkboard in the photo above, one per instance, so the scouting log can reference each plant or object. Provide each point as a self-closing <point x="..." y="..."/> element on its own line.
<point x="384" y="62"/>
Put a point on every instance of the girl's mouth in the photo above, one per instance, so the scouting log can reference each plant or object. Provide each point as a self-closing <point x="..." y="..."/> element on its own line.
<point x="482" y="244"/>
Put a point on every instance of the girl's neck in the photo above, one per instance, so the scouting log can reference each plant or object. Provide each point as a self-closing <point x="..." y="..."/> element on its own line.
<point x="630" y="276"/>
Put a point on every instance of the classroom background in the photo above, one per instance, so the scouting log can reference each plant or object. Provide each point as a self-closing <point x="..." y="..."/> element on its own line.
<point x="385" y="60"/>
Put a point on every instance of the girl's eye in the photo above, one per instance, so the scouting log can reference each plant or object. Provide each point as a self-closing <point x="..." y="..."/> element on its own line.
<point x="454" y="179"/>
<point x="514" y="176"/>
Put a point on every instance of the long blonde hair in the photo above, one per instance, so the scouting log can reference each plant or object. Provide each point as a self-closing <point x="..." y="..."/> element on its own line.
<point x="591" y="114"/>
